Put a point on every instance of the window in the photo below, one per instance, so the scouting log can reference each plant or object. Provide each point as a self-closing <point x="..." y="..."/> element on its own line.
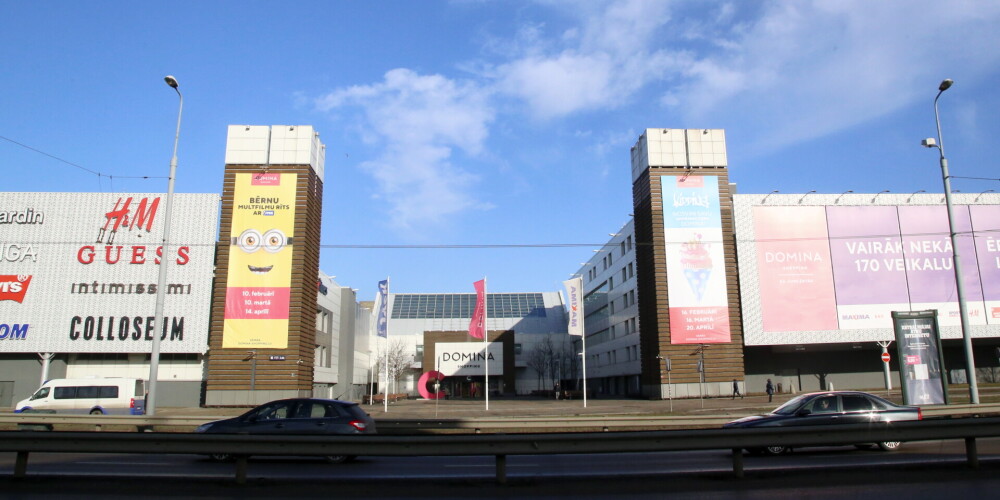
<point x="460" y="305"/>
<point x="628" y="242"/>
<point x="826" y="404"/>
<point x="857" y="403"/>
<point x="65" y="392"/>
<point x="517" y="349"/>
<point x="630" y="270"/>
<point x="420" y="350"/>
<point x="623" y="248"/>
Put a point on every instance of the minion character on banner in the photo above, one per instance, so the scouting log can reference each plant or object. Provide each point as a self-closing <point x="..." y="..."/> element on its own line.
<point x="260" y="261"/>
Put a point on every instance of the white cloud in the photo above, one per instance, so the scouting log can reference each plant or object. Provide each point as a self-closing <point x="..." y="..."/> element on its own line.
<point x="598" y="65"/>
<point x="808" y="69"/>
<point x="418" y="121"/>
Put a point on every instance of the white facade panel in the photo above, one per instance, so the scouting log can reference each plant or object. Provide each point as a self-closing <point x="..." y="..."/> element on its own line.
<point x="86" y="268"/>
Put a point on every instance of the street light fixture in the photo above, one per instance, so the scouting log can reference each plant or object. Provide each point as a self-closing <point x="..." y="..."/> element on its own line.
<point x="981" y="194"/>
<point x="878" y="193"/>
<point x="158" y="326"/>
<point x="970" y="363"/>
<point x="914" y="194"/>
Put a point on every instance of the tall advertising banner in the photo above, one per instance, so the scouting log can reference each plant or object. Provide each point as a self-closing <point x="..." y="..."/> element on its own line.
<point x="921" y="366"/>
<point x="696" y="272"/>
<point x="382" y="322"/>
<point x="79" y="272"/>
<point x="260" y="261"/>
<point x="477" y="327"/>
<point x="574" y="296"/>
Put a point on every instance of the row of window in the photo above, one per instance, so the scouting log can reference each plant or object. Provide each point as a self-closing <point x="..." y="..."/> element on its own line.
<point x="625" y="246"/>
<point x="630" y="353"/>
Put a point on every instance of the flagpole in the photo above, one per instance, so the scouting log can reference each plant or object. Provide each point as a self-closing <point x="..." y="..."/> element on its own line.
<point x="371" y="344"/>
<point x="385" y="400"/>
<point x="583" y="339"/>
<point x="486" y="336"/>
<point x="574" y="293"/>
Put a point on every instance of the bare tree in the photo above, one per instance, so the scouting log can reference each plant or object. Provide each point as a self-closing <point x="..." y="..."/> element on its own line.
<point x="393" y="358"/>
<point x="540" y="360"/>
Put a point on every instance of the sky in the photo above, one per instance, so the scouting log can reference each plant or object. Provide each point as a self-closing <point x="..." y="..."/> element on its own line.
<point x="503" y="124"/>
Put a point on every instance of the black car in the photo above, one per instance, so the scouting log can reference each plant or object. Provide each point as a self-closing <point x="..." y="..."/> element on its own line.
<point x="826" y="408"/>
<point x="297" y="416"/>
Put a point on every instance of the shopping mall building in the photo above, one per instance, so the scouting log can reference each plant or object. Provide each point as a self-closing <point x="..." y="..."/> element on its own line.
<point x="703" y="286"/>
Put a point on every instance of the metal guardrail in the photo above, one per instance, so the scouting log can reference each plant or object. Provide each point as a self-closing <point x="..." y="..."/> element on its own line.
<point x="498" y="445"/>
<point x="605" y="423"/>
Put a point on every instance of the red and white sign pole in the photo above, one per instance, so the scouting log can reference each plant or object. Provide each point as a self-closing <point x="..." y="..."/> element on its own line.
<point x="885" y="364"/>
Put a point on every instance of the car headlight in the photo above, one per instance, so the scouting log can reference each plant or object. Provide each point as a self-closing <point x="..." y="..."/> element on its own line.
<point x="204" y="427"/>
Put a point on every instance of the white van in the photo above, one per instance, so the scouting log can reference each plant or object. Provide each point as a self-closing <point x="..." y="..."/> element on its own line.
<point x="96" y="396"/>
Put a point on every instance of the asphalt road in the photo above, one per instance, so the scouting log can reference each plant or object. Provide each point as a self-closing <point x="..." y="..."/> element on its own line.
<point x="919" y="470"/>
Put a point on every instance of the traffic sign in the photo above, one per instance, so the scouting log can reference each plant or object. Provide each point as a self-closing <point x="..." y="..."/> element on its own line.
<point x="885" y="357"/>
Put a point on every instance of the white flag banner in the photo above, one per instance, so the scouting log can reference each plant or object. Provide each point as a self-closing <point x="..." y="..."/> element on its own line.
<point x="574" y="299"/>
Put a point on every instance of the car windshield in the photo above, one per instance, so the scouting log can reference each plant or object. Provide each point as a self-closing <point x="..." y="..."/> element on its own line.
<point x="791" y="406"/>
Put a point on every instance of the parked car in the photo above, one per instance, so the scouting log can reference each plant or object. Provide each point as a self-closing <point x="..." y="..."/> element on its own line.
<point x="311" y="416"/>
<point x="826" y="408"/>
<point x="96" y="396"/>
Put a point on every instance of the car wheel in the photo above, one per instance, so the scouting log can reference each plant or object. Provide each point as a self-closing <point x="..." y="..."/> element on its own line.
<point x="889" y="445"/>
<point x="96" y="411"/>
<point x="338" y="459"/>
<point x="220" y="457"/>
<point x="777" y="450"/>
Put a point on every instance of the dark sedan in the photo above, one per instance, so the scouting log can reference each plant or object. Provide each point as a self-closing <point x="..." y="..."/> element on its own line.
<point x="297" y="416"/>
<point x="826" y="408"/>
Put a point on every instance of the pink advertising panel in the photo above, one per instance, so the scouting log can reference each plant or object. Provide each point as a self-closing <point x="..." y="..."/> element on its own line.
<point x="824" y="268"/>
<point x="986" y="226"/>
<point x="793" y="261"/>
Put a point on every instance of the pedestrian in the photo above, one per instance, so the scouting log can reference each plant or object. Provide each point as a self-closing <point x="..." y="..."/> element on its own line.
<point x="736" y="389"/>
<point x="770" y="390"/>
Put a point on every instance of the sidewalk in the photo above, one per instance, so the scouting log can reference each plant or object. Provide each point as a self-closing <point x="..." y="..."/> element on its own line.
<point x="525" y="406"/>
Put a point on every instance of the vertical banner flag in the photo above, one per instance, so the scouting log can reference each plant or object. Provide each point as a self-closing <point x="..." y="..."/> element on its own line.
<point x="573" y="297"/>
<point x="260" y="261"/>
<point x="476" y="327"/>
<point x="920" y="365"/>
<point x="696" y="267"/>
<point x="382" y="323"/>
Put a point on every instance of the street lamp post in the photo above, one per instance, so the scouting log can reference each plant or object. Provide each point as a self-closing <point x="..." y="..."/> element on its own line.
<point x="158" y="326"/>
<point x="957" y="266"/>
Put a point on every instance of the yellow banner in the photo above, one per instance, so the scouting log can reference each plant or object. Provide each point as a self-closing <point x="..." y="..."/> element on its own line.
<point x="260" y="261"/>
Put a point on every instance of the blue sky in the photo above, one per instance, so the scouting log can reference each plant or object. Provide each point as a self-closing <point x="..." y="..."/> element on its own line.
<point x="497" y="123"/>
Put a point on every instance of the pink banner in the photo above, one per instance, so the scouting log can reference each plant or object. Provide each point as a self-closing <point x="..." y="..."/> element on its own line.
<point x="793" y="262"/>
<point x="699" y="325"/>
<point x="476" y="326"/>
<point x="248" y="302"/>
